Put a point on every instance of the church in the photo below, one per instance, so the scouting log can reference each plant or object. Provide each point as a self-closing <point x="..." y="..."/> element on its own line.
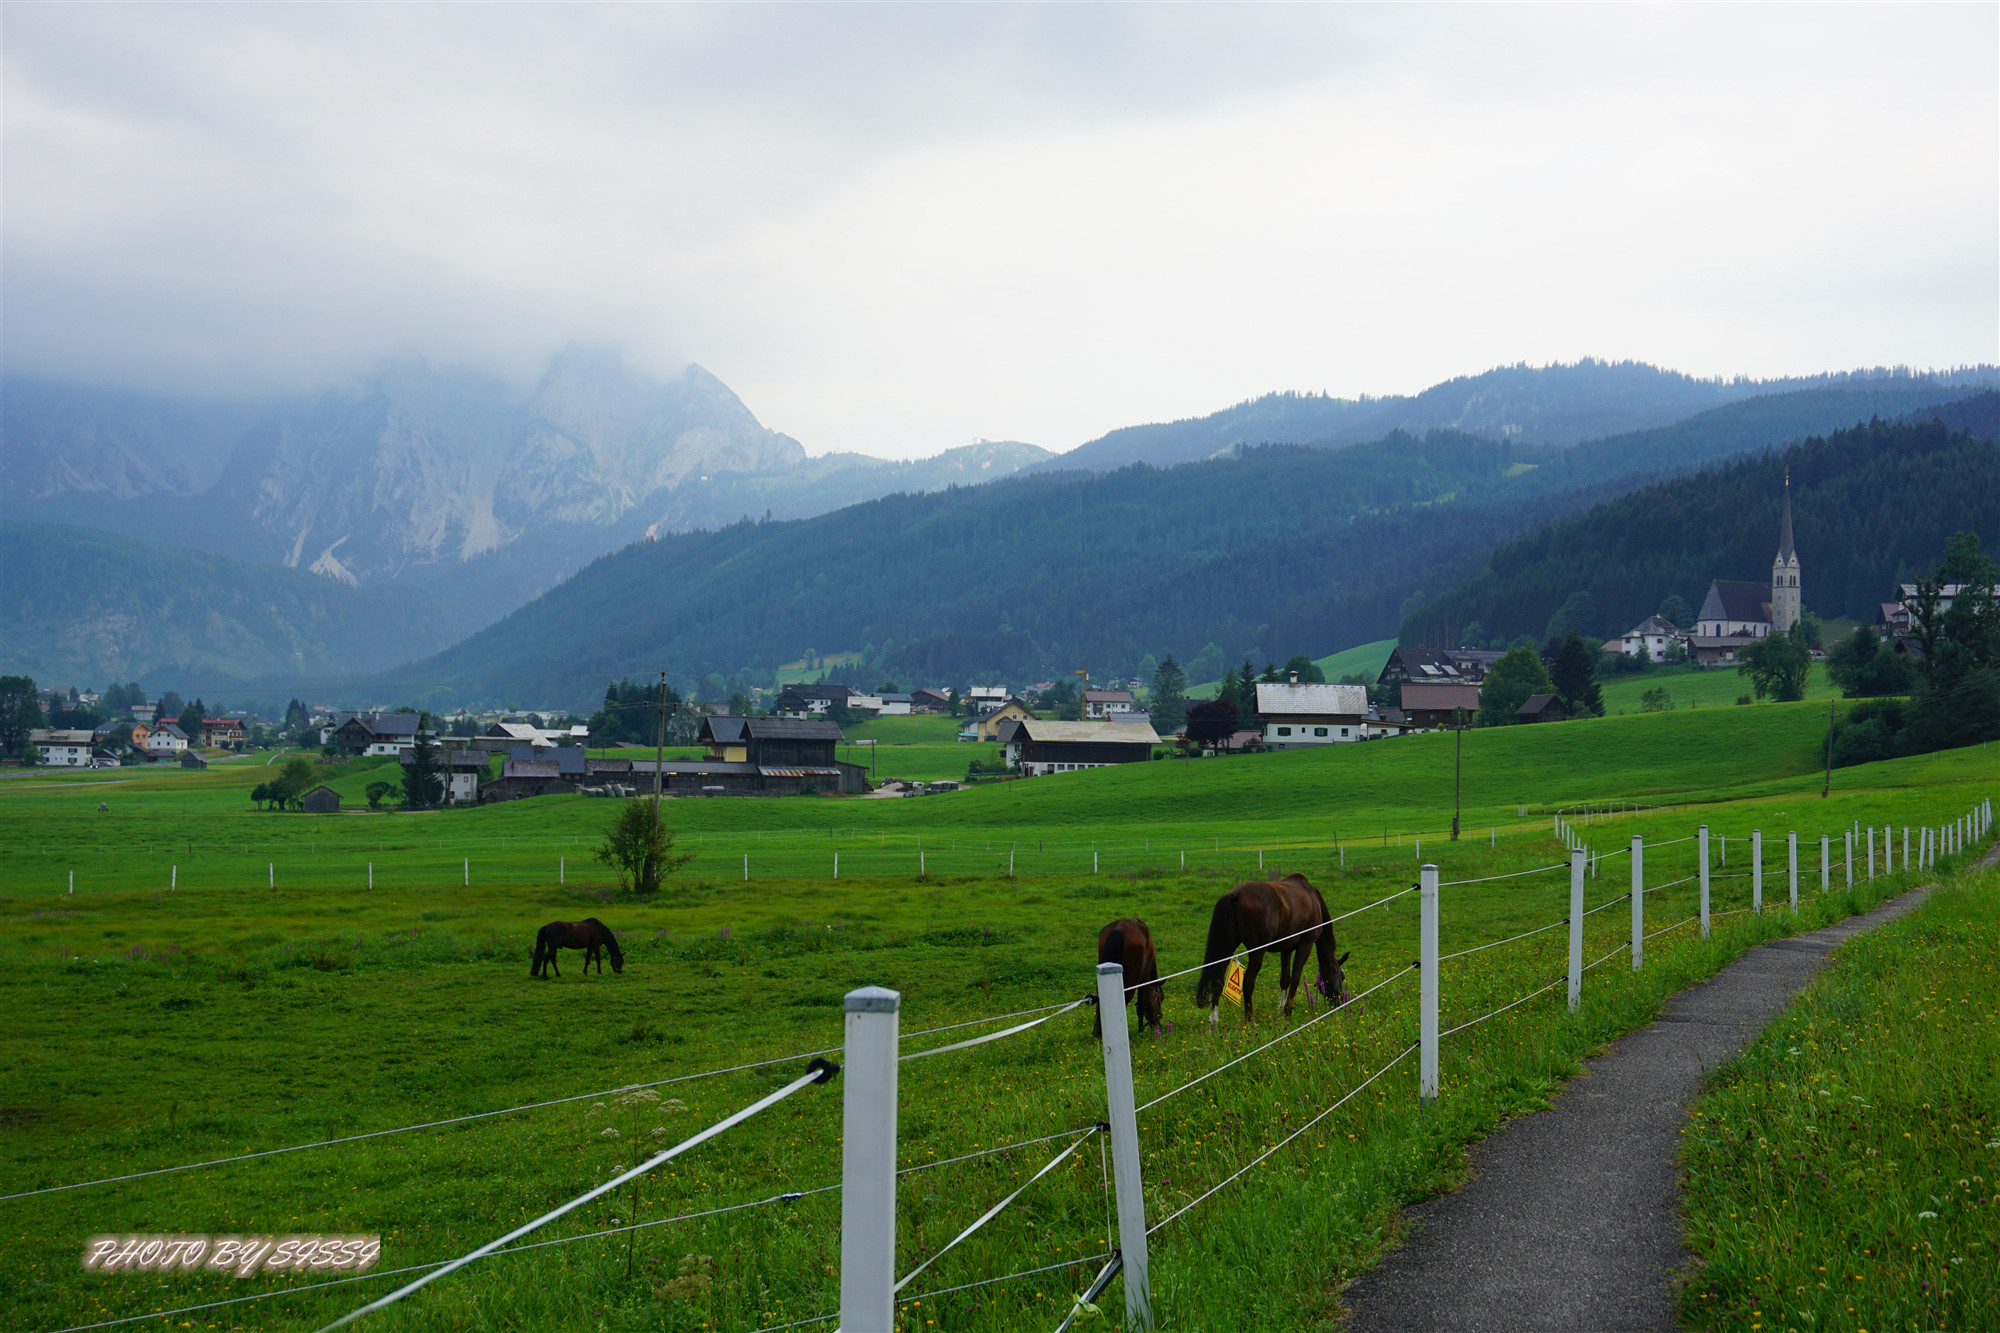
<point x="1736" y="613"/>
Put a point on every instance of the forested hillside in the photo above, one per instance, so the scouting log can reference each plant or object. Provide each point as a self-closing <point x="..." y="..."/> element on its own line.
<point x="83" y="608"/>
<point x="1277" y="550"/>
<point x="1871" y="506"/>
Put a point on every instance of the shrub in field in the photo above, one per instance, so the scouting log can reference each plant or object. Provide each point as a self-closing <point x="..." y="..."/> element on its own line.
<point x="639" y="847"/>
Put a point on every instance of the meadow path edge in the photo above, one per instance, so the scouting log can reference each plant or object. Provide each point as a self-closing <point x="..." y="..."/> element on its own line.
<point x="1571" y="1220"/>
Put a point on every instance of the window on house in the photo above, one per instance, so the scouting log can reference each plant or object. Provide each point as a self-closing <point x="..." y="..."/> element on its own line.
<point x="1284" y="731"/>
<point x="1319" y="731"/>
<point x="1343" y="731"/>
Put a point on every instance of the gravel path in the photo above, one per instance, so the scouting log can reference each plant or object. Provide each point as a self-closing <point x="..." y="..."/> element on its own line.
<point x="1572" y="1221"/>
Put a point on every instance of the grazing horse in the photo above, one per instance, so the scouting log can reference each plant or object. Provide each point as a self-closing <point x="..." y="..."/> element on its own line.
<point x="589" y="935"/>
<point x="1257" y="914"/>
<point x="1129" y="944"/>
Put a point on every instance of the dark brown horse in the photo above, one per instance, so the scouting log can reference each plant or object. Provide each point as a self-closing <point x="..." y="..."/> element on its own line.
<point x="1261" y="914"/>
<point x="1129" y="944"/>
<point x="589" y="935"/>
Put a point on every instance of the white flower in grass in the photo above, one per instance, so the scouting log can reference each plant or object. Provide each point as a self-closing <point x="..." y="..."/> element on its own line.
<point x="1927" y="1213"/>
<point x="674" y="1104"/>
<point x="596" y="1109"/>
<point x="635" y="1096"/>
<point x="659" y="1131"/>
<point x="608" y="1133"/>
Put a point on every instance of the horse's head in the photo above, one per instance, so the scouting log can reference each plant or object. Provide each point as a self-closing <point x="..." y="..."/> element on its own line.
<point x="1334" y="988"/>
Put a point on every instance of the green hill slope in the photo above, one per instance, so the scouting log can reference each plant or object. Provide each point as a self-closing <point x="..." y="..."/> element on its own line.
<point x="83" y="607"/>
<point x="1870" y="506"/>
<point x="1276" y="550"/>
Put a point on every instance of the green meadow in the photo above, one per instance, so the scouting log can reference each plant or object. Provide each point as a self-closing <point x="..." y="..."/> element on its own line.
<point x="1703" y="687"/>
<point x="155" y="1026"/>
<point x="1844" y="1171"/>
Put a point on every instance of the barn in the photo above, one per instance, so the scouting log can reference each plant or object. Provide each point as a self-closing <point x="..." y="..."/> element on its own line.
<point x="1037" y="747"/>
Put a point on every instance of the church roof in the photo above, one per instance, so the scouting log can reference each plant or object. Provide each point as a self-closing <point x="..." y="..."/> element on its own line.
<point x="1786" y="554"/>
<point x="1736" y="599"/>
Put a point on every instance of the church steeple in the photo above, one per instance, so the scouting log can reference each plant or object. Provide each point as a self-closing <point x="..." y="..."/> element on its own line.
<point x="1785" y="604"/>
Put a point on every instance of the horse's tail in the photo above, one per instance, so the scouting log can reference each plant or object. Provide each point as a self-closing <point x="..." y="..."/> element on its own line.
<point x="1222" y="941"/>
<point x="541" y="947"/>
<point x="1111" y="949"/>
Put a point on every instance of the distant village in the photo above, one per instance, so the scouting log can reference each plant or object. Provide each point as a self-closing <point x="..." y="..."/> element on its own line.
<point x="793" y="745"/>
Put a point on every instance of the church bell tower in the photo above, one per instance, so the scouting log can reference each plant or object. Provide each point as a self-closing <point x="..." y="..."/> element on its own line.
<point x="1785" y="571"/>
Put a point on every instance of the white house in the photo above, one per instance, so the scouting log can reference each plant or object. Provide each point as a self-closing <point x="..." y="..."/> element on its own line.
<point x="61" y="749"/>
<point x="989" y="696"/>
<point x="1650" y="637"/>
<point x="896" y="705"/>
<point x="1294" y="714"/>
<point x="1105" y="703"/>
<point x="167" y="738"/>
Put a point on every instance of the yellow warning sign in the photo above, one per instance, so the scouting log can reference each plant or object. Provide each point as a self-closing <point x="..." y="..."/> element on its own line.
<point x="1232" y="984"/>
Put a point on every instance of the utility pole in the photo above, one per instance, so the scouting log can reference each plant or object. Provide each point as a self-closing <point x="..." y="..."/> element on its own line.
<point x="1827" y="785"/>
<point x="1458" y="769"/>
<point x="652" y="872"/>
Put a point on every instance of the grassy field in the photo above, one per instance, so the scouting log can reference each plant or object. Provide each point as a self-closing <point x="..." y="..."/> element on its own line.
<point x="1696" y="688"/>
<point x="157" y="1026"/>
<point x="922" y="747"/>
<point x="1842" y="1173"/>
<point x="1365" y="658"/>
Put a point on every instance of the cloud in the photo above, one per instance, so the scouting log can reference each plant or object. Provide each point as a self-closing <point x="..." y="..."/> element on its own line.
<point x="893" y="228"/>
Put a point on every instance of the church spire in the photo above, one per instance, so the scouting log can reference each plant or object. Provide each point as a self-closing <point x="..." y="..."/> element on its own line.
<point x="1786" y="554"/>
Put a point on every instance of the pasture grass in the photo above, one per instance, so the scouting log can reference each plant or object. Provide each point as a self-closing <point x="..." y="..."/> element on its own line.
<point x="1844" y="1171"/>
<point x="155" y="1028"/>
<point x="1692" y="687"/>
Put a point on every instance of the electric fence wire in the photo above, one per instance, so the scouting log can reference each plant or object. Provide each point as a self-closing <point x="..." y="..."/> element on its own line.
<point x="418" y="1268"/>
<point x="1512" y="874"/>
<point x="991" y="1213"/>
<point x="988" y="1152"/>
<point x="1664" y="929"/>
<point x="1607" y="957"/>
<point x="1202" y="1078"/>
<point x="1494" y="944"/>
<point x="819" y="1073"/>
<point x="1275" y="943"/>
<point x="1345" y="1098"/>
<point x="1008" y="1277"/>
<point x="1673" y="883"/>
<point x="996" y="1036"/>
<point x="531" y="1106"/>
<point x="1539" y="990"/>
<point x="1612" y="903"/>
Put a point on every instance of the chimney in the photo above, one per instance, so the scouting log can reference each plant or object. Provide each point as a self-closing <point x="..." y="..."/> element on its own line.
<point x="1294" y="676"/>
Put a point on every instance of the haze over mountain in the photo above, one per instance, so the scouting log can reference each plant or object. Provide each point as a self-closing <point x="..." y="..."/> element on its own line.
<point x="436" y="477"/>
<point x="1274" y="550"/>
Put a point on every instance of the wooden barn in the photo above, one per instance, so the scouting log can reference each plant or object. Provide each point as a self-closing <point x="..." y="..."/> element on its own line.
<point x="1038" y="748"/>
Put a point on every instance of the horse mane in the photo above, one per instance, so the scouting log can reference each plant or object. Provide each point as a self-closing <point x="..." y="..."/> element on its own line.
<point x="610" y="938"/>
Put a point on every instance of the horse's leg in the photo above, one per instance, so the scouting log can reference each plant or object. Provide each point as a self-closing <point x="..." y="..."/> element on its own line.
<point x="1250" y="966"/>
<point x="1298" y="974"/>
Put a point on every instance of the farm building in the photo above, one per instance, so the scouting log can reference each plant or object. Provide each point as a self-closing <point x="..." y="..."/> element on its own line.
<point x="1542" y="708"/>
<point x="1418" y="664"/>
<point x="376" y="733"/>
<point x="321" y="800"/>
<point x="1294" y="714"/>
<point x="759" y="756"/>
<point x="986" y="727"/>
<point x="1649" y="638"/>
<point x="1105" y="703"/>
<point x="60" y="748"/>
<point x="1037" y="747"/>
<point x="1429" y="705"/>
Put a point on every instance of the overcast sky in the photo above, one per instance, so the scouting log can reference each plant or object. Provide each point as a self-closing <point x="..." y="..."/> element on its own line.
<point x="896" y="228"/>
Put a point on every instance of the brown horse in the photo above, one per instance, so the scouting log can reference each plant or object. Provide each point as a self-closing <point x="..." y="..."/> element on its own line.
<point x="1129" y="944"/>
<point x="589" y="935"/>
<point x="1258" y="914"/>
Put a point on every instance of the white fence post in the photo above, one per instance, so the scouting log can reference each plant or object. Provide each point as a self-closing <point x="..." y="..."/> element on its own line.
<point x="72" y="881"/>
<point x="468" y="872"/>
<point x="1427" y="1003"/>
<point x="836" y="865"/>
<point x="1906" y="847"/>
<point x="1792" y="855"/>
<point x="1825" y="863"/>
<point x="270" y="874"/>
<point x="868" y="1163"/>
<point x="1576" y="860"/>
<point x="562" y="870"/>
<point x="1638" y="902"/>
<point x="371" y="874"/>
<point x="1703" y="839"/>
<point x="1124" y="1123"/>
<point x="1010" y="863"/>
<point x="1757" y="871"/>
<point x="174" y="880"/>
<point x="1871" y="851"/>
<point x="746" y="867"/>
<point x="1848" y="839"/>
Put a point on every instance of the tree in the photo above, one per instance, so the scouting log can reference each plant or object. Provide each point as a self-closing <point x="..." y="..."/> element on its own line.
<point x="296" y="717"/>
<point x="1656" y="700"/>
<point x="739" y="704"/>
<point x="292" y="782"/>
<point x="170" y="707"/>
<point x="191" y="718"/>
<point x="1518" y="674"/>
<point x="1865" y="667"/>
<point x="1211" y="721"/>
<point x="1228" y="692"/>
<point x="423" y="774"/>
<point x="20" y="711"/>
<point x="260" y="794"/>
<point x="1778" y="664"/>
<point x="1168" y="704"/>
<point x="1206" y="666"/>
<point x="1271" y="675"/>
<point x="639" y="847"/>
<point x="1575" y="677"/>
<point x="379" y="792"/>
<point x="1577" y="615"/>
<point x="1309" y="672"/>
<point x="1674" y="610"/>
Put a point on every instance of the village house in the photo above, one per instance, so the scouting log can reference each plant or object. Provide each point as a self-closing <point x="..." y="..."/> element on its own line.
<point x="1418" y="664"/>
<point x="464" y="769"/>
<point x="192" y="759"/>
<point x="930" y="701"/>
<point x="223" y="733"/>
<point x="61" y="748"/>
<point x="1431" y="705"/>
<point x="376" y="734"/>
<point x="1474" y="663"/>
<point x="1039" y="748"/>
<point x="1294" y="714"/>
<point x="986" y="726"/>
<point x="987" y="696"/>
<point x="896" y="705"/>
<point x="163" y="741"/>
<point x="1542" y="708"/>
<point x="1102" y="704"/>
<point x="1649" y="638"/>
<point x="1384" y="720"/>
<point x="321" y="800"/>
<point x="1898" y="619"/>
